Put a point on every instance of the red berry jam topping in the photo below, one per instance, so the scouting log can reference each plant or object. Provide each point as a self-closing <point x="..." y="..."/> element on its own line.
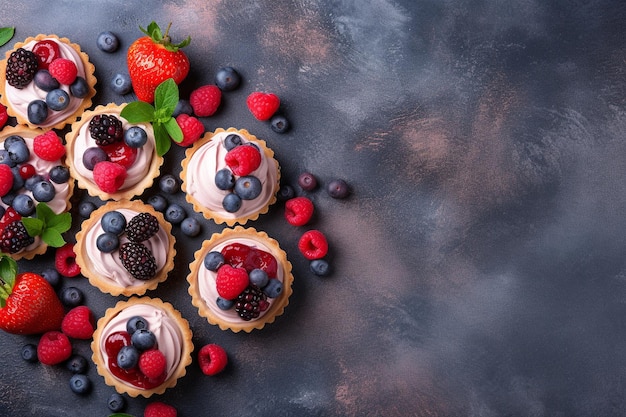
<point x="121" y="153"/>
<point x="244" y="256"/>
<point x="46" y="51"/>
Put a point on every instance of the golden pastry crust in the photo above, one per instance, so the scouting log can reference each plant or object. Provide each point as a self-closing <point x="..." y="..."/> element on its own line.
<point x="86" y="101"/>
<point x="86" y="183"/>
<point x="85" y="261"/>
<point x="103" y="369"/>
<point x="216" y="216"/>
<point x="278" y="305"/>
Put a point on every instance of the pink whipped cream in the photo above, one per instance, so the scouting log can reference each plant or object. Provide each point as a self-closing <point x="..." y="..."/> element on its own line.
<point x="21" y="98"/>
<point x="168" y="335"/>
<point x="208" y="290"/>
<point x="108" y="265"/>
<point x="209" y="159"/>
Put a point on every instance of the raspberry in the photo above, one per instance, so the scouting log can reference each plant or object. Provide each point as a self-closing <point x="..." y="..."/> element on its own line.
<point x="48" y="146"/>
<point x="109" y="176"/>
<point x="6" y="179"/>
<point x="4" y="116"/>
<point x="212" y="359"/>
<point x="159" y="409"/>
<point x="152" y="363"/>
<point x="65" y="261"/>
<point x="298" y="211"/>
<point x="78" y="323"/>
<point x="142" y="227"/>
<point x="231" y="281"/>
<point x="192" y="129"/>
<point x="63" y="70"/>
<point x="54" y="347"/>
<point x="243" y="160"/>
<point x="205" y="100"/>
<point x="313" y="245"/>
<point x="262" y="105"/>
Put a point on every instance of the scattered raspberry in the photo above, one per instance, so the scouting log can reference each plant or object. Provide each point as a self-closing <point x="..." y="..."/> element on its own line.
<point x="65" y="261"/>
<point x="243" y="160"/>
<point x="4" y="116"/>
<point x="48" y="146"/>
<point x="313" y="245"/>
<point x="192" y="129"/>
<point x="152" y="363"/>
<point x="6" y="179"/>
<point x="78" y="323"/>
<point x="159" y="409"/>
<point x="212" y="359"/>
<point x="230" y="281"/>
<point x="54" y="347"/>
<point x="63" y="70"/>
<point x="298" y="211"/>
<point x="205" y="100"/>
<point x="109" y="176"/>
<point x="262" y="105"/>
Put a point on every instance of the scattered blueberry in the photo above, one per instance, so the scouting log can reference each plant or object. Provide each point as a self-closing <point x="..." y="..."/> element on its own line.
<point x="29" y="353"/>
<point x="279" y="123"/>
<point x="127" y="357"/>
<point x="113" y="221"/>
<point x="52" y="276"/>
<point x="107" y="242"/>
<point x="175" y="213"/>
<point x="19" y="152"/>
<point x="190" y="226"/>
<point x="135" y="323"/>
<point x="85" y="208"/>
<point x="213" y="260"/>
<point x="286" y="192"/>
<point x="158" y="202"/>
<point x="37" y="111"/>
<point x="72" y="297"/>
<point x="248" y="187"/>
<point x="169" y="184"/>
<point x="273" y="288"/>
<point x="231" y="141"/>
<point x="307" y="181"/>
<point x="79" y="88"/>
<point x="143" y="339"/>
<point x="116" y="403"/>
<point x="43" y="191"/>
<point x="258" y="277"/>
<point x="120" y="84"/>
<point x="108" y="42"/>
<point x="338" y="189"/>
<point x="135" y="137"/>
<point x="227" y="79"/>
<point x="45" y="81"/>
<point x="60" y="174"/>
<point x="80" y="384"/>
<point x="320" y="267"/>
<point x="224" y="179"/>
<point x="231" y="202"/>
<point x="57" y="99"/>
<point x="224" y="304"/>
<point x="77" y="364"/>
<point x="92" y="156"/>
<point x="182" y="107"/>
<point x="24" y="205"/>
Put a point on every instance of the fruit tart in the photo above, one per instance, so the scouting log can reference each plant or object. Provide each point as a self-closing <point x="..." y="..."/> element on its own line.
<point x="32" y="171"/>
<point x="125" y="248"/>
<point x="240" y="279"/>
<point x="110" y="157"/>
<point x="142" y="346"/>
<point x="46" y="82"/>
<point x="230" y="176"/>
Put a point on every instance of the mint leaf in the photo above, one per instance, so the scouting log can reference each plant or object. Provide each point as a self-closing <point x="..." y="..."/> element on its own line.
<point x="8" y="273"/>
<point x="138" y="112"/>
<point x="6" y="34"/>
<point x="53" y="237"/>
<point x="162" y="139"/>
<point x="34" y="226"/>
<point x="173" y="129"/>
<point x="166" y="97"/>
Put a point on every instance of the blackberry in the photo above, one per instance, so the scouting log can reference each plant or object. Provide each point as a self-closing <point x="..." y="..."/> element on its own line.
<point x="142" y="227"/>
<point x="250" y="303"/>
<point x="106" y="129"/>
<point x="138" y="260"/>
<point x="21" y="68"/>
<point x="15" y="238"/>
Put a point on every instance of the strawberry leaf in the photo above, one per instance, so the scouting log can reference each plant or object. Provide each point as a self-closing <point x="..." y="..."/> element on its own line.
<point x="162" y="139"/>
<point x="6" y="34"/>
<point x="138" y="112"/>
<point x="173" y="129"/>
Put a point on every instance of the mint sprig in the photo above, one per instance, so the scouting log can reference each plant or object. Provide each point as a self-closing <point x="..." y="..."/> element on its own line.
<point x="49" y="225"/>
<point x="6" y="34"/>
<point x="8" y="273"/>
<point x="160" y="115"/>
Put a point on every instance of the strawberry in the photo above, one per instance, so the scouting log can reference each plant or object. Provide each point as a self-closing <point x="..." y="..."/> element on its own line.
<point x="205" y="100"/>
<point x="48" y="146"/>
<point x="192" y="129"/>
<point x="159" y="409"/>
<point x="65" y="261"/>
<point x="230" y="281"/>
<point x="313" y="245"/>
<point x="298" y="211"/>
<point x="212" y="359"/>
<point x="28" y="303"/>
<point x="243" y="160"/>
<point x="78" y="323"/>
<point x="54" y="347"/>
<point x="153" y="59"/>
<point x="262" y="105"/>
<point x="152" y="363"/>
<point x="6" y="179"/>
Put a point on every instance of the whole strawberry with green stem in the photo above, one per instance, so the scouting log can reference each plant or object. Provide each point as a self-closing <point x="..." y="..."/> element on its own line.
<point x="28" y="303"/>
<point x="153" y="59"/>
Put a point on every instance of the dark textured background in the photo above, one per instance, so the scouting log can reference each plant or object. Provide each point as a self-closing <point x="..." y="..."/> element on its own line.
<point x="479" y="265"/>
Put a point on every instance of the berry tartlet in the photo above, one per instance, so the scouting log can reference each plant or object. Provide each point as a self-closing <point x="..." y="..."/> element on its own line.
<point x="240" y="279"/>
<point x="33" y="172"/>
<point x="125" y="248"/>
<point x="230" y="176"/>
<point x="142" y="346"/>
<point x="111" y="158"/>
<point x="46" y="82"/>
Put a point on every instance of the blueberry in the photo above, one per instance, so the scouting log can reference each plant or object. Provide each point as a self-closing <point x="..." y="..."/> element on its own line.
<point x="258" y="277"/>
<point x="2" y="211"/>
<point x="248" y="187"/>
<point x="320" y="267"/>
<point x="175" y="213"/>
<point x="158" y="202"/>
<point x="224" y="304"/>
<point x="92" y="156"/>
<point x="18" y="152"/>
<point x="79" y="88"/>
<point x="44" y="191"/>
<point x="143" y="339"/>
<point x="128" y="357"/>
<point x="107" y="242"/>
<point x="135" y="137"/>
<point x="279" y="123"/>
<point x="338" y="189"/>
<point x="77" y="364"/>
<point x="29" y="184"/>
<point x="72" y="297"/>
<point x="231" y="202"/>
<point x="80" y="384"/>
<point x="224" y="179"/>
<point x="213" y="260"/>
<point x="182" y="107"/>
<point x="120" y="84"/>
<point x="169" y="184"/>
<point x="286" y="192"/>
<point x="85" y="208"/>
<point x="8" y="198"/>
<point x="18" y="181"/>
<point x="29" y="353"/>
<point x="24" y="205"/>
<point x="307" y="181"/>
<point x="135" y="323"/>
<point x="273" y="288"/>
<point x="116" y="403"/>
<point x="5" y="159"/>
<point x="57" y="99"/>
<point x="227" y="79"/>
<point x="45" y="81"/>
<point x="232" y="141"/>
<point x="52" y="276"/>
<point x="113" y="222"/>
<point x="59" y="174"/>
<point x="37" y="112"/>
<point x="13" y="139"/>
<point x="190" y="226"/>
<point x="108" y="42"/>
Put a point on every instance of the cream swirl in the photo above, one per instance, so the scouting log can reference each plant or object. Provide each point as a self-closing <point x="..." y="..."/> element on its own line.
<point x="209" y="159"/>
<point x="108" y="265"/>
